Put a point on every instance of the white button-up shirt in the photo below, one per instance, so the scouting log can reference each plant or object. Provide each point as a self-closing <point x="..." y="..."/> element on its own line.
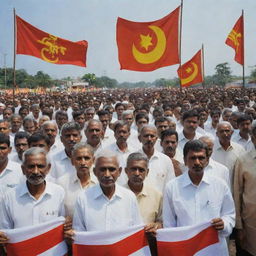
<point x="12" y="175"/>
<point x="160" y="170"/>
<point x="20" y="208"/>
<point x="183" y="140"/>
<point x="186" y="204"/>
<point x="246" y="144"/>
<point x="72" y="187"/>
<point x="95" y="212"/>
<point x="61" y="165"/>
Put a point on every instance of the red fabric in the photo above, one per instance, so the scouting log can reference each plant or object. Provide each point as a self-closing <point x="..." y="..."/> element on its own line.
<point x="124" y="247"/>
<point x="191" y="71"/>
<point x="160" y="47"/>
<point x="37" y="43"/>
<point x="188" y="247"/>
<point x="38" y="244"/>
<point x="235" y="40"/>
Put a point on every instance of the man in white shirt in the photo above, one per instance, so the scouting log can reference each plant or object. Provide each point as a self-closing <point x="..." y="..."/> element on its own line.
<point x="106" y="206"/>
<point x="212" y="167"/>
<point x="61" y="163"/>
<point x="225" y="151"/>
<point x="33" y="201"/>
<point x="160" y="167"/>
<point x="191" y="198"/>
<point x="10" y="172"/>
<point x="82" y="159"/>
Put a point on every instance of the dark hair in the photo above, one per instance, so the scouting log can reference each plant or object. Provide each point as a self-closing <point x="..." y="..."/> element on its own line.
<point x="140" y="116"/>
<point x="161" y="119"/>
<point x="215" y="112"/>
<point x="119" y="124"/>
<point x="102" y="112"/>
<point x="37" y="137"/>
<point x="4" y="139"/>
<point x="190" y="113"/>
<point x="244" y="117"/>
<point x="61" y="113"/>
<point x="78" y="113"/>
<point x="118" y="105"/>
<point x="195" y="146"/>
<point x="21" y="108"/>
<point x="20" y="135"/>
<point x="169" y="132"/>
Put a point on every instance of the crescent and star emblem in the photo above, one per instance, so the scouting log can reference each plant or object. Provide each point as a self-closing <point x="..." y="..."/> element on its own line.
<point x="145" y="42"/>
<point x="192" y="76"/>
<point x="51" y="49"/>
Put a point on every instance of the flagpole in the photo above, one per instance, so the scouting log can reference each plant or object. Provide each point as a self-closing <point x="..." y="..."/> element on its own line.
<point x="181" y="10"/>
<point x="203" y="83"/>
<point x="243" y="49"/>
<point x="14" y="56"/>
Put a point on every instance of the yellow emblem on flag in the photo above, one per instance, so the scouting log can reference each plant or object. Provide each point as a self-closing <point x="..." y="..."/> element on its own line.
<point x="234" y="36"/>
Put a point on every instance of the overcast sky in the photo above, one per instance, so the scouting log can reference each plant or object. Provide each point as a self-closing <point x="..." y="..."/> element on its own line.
<point x="204" y="21"/>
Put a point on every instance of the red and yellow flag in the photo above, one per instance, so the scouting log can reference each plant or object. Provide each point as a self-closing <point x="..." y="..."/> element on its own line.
<point x="191" y="72"/>
<point x="50" y="48"/>
<point x="236" y="40"/>
<point x="146" y="46"/>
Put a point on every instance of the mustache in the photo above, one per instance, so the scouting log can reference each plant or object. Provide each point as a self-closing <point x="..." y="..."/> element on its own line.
<point x="171" y="149"/>
<point x="36" y="176"/>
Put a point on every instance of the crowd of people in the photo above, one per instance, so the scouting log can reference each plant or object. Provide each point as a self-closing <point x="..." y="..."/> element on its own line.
<point x="112" y="159"/>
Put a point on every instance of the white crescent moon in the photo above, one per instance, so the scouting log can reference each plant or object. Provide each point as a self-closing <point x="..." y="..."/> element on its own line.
<point x="190" y="78"/>
<point x="156" y="53"/>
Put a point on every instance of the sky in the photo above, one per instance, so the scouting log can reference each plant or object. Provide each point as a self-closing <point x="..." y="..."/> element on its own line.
<point x="205" y="22"/>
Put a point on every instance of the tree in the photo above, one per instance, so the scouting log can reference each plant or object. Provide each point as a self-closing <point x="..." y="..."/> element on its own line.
<point x="42" y="79"/>
<point x="223" y="74"/>
<point x="105" y="81"/>
<point x="90" y="78"/>
<point x="253" y="74"/>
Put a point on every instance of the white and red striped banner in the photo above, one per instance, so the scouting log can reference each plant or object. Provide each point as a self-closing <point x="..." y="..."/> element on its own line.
<point x="131" y="241"/>
<point x="44" y="239"/>
<point x="196" y="240"/>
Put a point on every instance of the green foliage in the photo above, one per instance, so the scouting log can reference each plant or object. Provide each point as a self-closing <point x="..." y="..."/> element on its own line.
<point x="90" y="78"/>
<point x="253" y="74"/>
<point x="222" y="74"/>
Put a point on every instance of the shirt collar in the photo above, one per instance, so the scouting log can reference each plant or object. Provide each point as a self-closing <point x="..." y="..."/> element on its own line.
<point x="187" y="181"/>
<point x="63" y="155"/>
<point x="99" y="193"/>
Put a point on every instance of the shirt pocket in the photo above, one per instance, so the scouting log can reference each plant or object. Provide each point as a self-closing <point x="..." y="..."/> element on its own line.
<point x="48" y="214"/>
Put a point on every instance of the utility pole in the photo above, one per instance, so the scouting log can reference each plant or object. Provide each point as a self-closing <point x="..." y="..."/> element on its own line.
<point x="5" y="75"/>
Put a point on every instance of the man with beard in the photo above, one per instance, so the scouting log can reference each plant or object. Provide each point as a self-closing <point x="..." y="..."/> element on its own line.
<point x="169" y="143"/>
<point x="160" y="167"/>
<point x="33" y="201"/>
<point x="196" y="197"/>
<point x="61" y="161"/>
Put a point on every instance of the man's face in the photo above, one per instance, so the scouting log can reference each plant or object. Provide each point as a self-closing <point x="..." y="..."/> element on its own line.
<point x="104" y="120"/>
<point x="148" y="137"/>
<point x="69" y="138"/>
<point x="128" y="119"/>
<point x="94" y="133"/>
<point x="7" y="114"/>
<point x="82" y="160"/>
<point x="169" y="144"/>
<point x="233" y="121"/>
<point x="203" y="117"/>
<point x="215" y="118"/>
<point x="241" y="107"/>
<point x="81" y="120"/>
<point x="35" y="168"/>
<point x="119" y="110"/>
<point x="168" y="113"/>
<point x="23" y="113"/>
<point x="122" y="133"/>
<point x="16" y="124"/>
<point x="4" y="151"/>
<point x="226" y="117"/>
<point x="190" y="124"/>
<point x="29" y="127"/>
<point x="51" y="131"/>
<point x="4" y="128"/>
<point x="224" y="133"/>
<point x="210" y="145"/>
<point x="141" y="122"/>
<point x="245" y="126"/>
<point x="89" y="114"/>
<point x="60" y="120"/>
<point x="196" y="161"/>
<point x="40" y="144"/>
<point x="161" y="126"/>
<point x="136" y="171"/>
<point x="107" y="171"/>
<point x="35" y="111"/>
<point x="21" y="145"/>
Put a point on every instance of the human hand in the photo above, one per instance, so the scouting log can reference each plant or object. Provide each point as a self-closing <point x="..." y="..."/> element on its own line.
<point x="218" y="223"/>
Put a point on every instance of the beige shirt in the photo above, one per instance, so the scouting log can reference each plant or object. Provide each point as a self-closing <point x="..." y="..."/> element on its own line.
<point x="245" y="198"/>
<point x="150" y="203"/>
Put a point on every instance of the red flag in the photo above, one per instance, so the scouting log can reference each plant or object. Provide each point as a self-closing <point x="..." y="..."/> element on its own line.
<point x="191" y="71"/>
<point x="146" y="46"/>
<point x="50" y="48"/>
<point x="198" y="240"/>
<point x="236" y="40"/>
